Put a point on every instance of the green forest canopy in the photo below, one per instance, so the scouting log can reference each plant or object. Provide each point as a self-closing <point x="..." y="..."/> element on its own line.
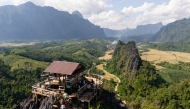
<point x="21" y="67"/>
<point x="147" y="89"/>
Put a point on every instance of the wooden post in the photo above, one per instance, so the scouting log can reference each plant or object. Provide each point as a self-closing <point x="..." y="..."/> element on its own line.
<point x="96" y="96"/>
<point x="33" y="96"/>
<point x="48" y="77"/>
<point x="89" y="105"/>
<point x="59" y="80"/>
<point x="36" y="99"/>
<point x="49" y="81"/>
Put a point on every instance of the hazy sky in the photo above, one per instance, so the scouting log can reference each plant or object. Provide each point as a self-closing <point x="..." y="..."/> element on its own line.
<point x="119" y="14"/>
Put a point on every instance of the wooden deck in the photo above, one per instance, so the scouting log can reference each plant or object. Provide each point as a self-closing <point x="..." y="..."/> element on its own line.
<point x="44" y="92"/>
<point x="87" y="95"/>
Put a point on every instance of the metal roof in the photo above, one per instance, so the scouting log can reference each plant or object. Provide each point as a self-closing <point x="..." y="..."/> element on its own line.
<point x="62" y="67"/>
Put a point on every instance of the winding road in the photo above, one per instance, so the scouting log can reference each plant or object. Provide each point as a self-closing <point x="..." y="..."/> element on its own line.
<point x="108" y="75"/>
<point x="118" y="80"/>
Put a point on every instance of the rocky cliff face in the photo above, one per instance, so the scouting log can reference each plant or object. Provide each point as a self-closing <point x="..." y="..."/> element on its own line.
<point x="105" y="98"/>
<point x="36" y="103"/>
<point x="30" y="22"/>
<point x="110" y="99"/>
<point x="125" y="58"/>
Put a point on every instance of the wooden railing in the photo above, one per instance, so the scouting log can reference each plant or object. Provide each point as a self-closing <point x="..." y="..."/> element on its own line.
<point x="82" y="89"/>
<point x="74" y="80"/>
<point x="42" y="91"/>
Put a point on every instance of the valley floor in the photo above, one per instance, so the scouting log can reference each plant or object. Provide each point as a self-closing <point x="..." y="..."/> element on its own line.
<point x="157" y="56"/>
<point x="107" y="56"/>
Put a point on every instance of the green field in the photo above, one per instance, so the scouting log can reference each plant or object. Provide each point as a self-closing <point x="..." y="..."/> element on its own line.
<point x="173" y="66"/>
<point x="17" y="62"/>
<point x="174" y="75"/>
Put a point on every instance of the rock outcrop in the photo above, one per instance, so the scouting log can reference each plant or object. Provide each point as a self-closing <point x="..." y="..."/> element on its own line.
<point x="110" y="99"/>
<point x="125" y="58"/>
<point x="46" y="103"/>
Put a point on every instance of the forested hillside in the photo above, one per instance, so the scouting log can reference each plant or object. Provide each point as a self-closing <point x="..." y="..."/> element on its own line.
<point x="141" y="86"/>
<point x="16" y="85"/>
<point x="171" y="46"/>
<point x="174" y="32"/>
<point x="85" y="52"/>
<point x="147" y="89"/>
<point x="21" y="67"/>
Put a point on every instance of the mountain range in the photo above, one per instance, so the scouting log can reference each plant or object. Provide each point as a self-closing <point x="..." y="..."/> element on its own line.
<point x="174" y="32"/>
<point x="139" y="30"/>
<point x="177" y="31"/>
<point x="30" y="22"/>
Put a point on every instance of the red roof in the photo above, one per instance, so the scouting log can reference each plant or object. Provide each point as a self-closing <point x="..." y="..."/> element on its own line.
<point x="61" y="67"/>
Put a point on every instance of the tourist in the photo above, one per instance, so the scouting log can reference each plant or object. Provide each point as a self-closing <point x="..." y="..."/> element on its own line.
<point x="84" y="82"/>
<point x="62" y="106"/>
<point x="65" y="95"/>
<point x="59" y="90"/>
<point x="92" y="83"/>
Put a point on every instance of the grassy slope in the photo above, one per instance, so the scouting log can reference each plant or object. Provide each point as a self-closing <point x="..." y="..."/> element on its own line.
<point x="16" y="62"/>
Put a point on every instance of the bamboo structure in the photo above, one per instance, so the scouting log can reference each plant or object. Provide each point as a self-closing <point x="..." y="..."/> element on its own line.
<point x="76" y="90"/>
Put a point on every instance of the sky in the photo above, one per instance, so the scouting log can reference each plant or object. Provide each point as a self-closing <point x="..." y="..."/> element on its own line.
<point x="119" y="14"/>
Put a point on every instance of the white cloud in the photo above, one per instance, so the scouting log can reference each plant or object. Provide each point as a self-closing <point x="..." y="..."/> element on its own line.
<point x="144" y="7"/>
<point x="120" y="20"/>
<point x="110" y="19"/>
<point x="166" y="13"/>
<point x="129" y="17"/>
<point x="148" y="13"/>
